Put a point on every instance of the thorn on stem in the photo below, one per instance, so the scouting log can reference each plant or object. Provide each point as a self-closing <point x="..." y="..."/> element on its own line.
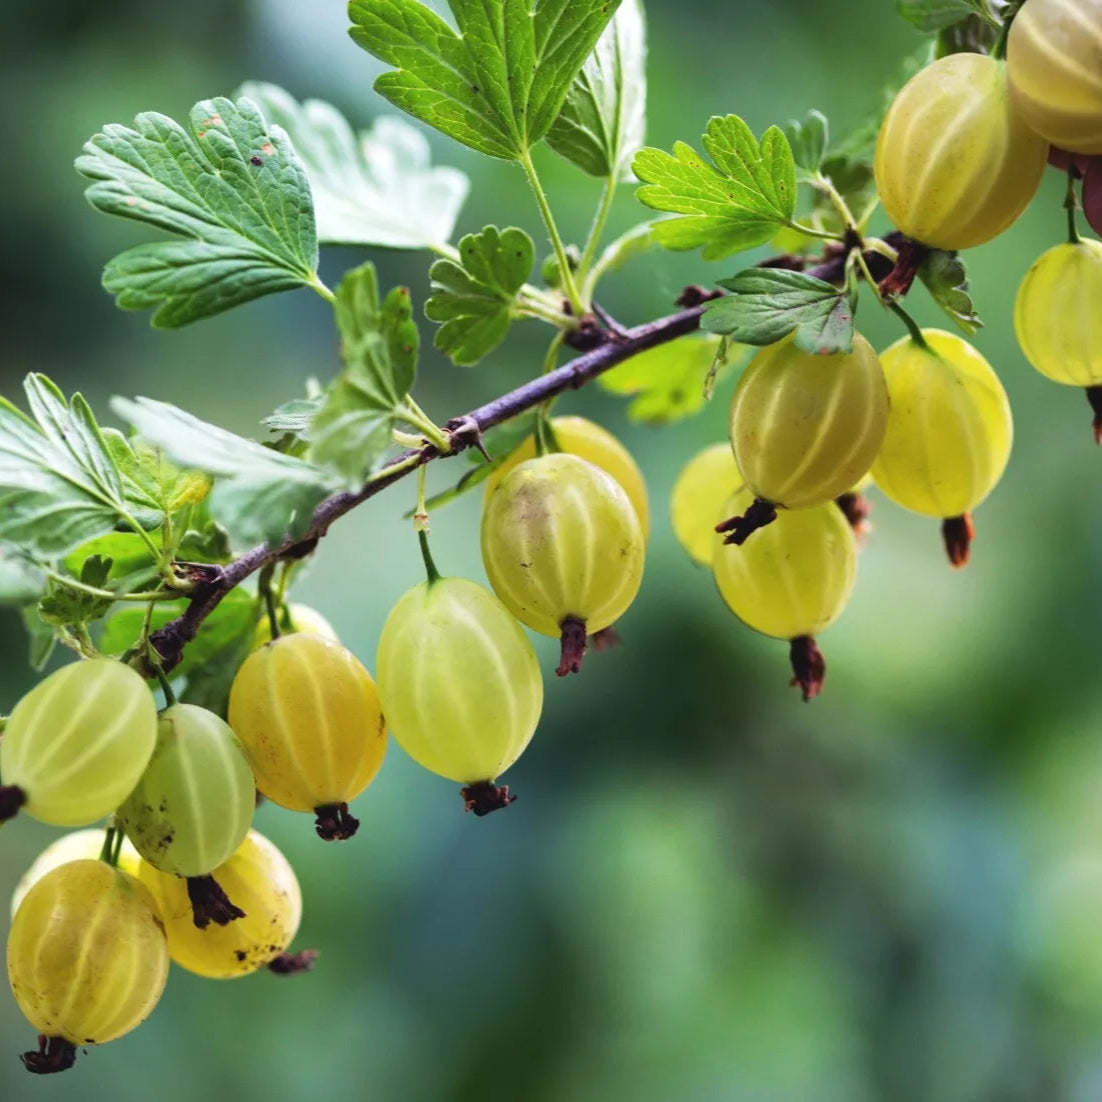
<point x="466" y="431"/>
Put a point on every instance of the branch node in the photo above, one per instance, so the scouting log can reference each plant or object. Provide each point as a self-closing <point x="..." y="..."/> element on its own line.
<point x="466" y="433"/>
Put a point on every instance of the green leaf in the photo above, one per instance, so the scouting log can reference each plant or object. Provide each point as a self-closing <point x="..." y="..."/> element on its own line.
<point x="735" y="203"/>
<point x="767" y="304"/>
<point x="667" y="381"/>
<point x="946" y="279"/>
<point x="808" y="140"/>
<point x="295" y="416"/>
<point x="151" y="480"/>
<point x="64" y="605"/>
<point x="259" y="494"/>
<point x="230" y="187"/>
<point x="379" y="343"/>
<point x="474" y="299"/>
<point x="209" y="682"/>
<point x="40" y="638"/>
<point x="372" y="188"/>
<point x="127" y="551"/>
<point x="59" y="485"/>
<point x="499" y="83"/>
<point x="236" y="613"/>
<point x="603" y="120"/>
<point x="20" y="580"/>
<point x="933" y="15"/>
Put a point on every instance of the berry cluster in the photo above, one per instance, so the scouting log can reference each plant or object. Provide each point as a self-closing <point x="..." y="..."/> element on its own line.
<point x="959" y="157"/>
<point x="777" y="514"/>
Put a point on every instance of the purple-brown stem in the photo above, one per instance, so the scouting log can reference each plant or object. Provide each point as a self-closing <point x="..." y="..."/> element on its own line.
<point x="482" y="797"/>
<point x="209" y="903"/>
<point x="214" y="582"/>
<point x="808" y="666"/>
<point x="290" y="964"/>
<point x="740" y="529"/>
<point x="334" y="822"/>
<point x="1094" y="396"/>
<point x="573" y="646"/>
<point x="958" y="534"/>
<point x="54" y="1054"/>
<point x="12" y="798"/>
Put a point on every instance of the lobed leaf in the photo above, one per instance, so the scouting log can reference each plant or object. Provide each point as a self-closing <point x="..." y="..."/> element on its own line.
<point x="667" y="382"/>
<point x="60" y="485"/>
<point x="351" y="431"/>
<point x="935" y="15"/>
<point x="229" y="186"/>
<point x="946" y="279"/>
<point x="808" y="140"/>
<point x="373" y="188"/>
<point x="766" y="304"/>
<point x="498" y="82"/>
<point x="474" y="298"/>
<point x="736" y="202"/>
<point x="603" y="120"/>
<point x="259" y="494"/>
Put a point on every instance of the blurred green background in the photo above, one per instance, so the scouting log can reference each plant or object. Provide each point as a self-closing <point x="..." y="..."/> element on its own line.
<point x="708" y="891"/>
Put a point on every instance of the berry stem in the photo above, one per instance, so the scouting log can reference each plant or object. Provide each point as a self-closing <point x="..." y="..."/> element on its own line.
<point x="910" y="323"/>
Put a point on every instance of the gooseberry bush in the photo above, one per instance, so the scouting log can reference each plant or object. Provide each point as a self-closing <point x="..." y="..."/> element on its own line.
<point x="165" y="554"/>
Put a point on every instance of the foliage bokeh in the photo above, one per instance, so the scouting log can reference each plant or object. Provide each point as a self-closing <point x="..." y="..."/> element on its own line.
<point x="708" y="890"/>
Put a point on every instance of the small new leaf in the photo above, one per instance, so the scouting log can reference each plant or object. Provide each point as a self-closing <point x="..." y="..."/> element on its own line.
<point x="667" y="382"/>
<point x="934" y="15"/>
<point x="499" y="83"/>
<point x="946" y="279"/>
<point x="259" y="494"/>
<point x="373" y="188"/>
<point x="474" y="298"/>
<point x="766" y="304"/>
<point x="603" y="120"/>
<point x="808" y="141"/>
<point x="735" y="203"/>
<point x="230" y="187"/>
<point x="65" y="605"/>
<point x="59" y="483"/>
<point x="379" y="342"/>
